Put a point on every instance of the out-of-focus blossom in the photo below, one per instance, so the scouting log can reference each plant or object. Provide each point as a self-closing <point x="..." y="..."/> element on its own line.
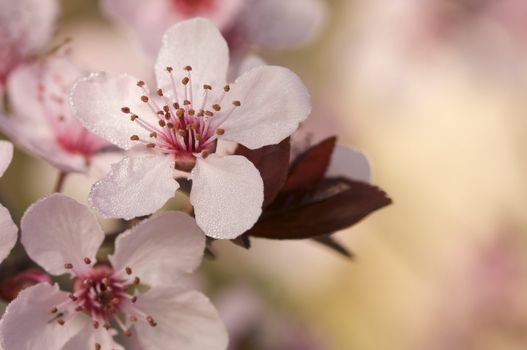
<point x="8" y="229"/>
<point x="41" y="121"/>
<point x="273" y="24"/>
<point x="178" y="126"/>
<point x="137" y="293"/>
<point x="26" y="27"/>
<point x="255" y="324"/>
<point x="11" y="287"/>
<point x="489" y="310"/>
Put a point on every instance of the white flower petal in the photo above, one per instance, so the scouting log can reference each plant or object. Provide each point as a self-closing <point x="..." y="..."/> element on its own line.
<point x="58" y="230"/>
<point x="88" y="337"/>
<point x="40" y="142"/>
<point x="199" y="44"/>
<point x="97" y="100"/>
<point x="273" y="103"/>
<point x="347" y="162"/>
<point x="27" y="323"/>
<point x="8" y="233"/>
<point x="282" y="24"/>
<point x="27" y="25"/>
<point x="227" y="195"/>
<point x="185" y="320"/>
<point x="135" y="186"/>
<point x="160" y="249"/>
<point x="6" y="155"/>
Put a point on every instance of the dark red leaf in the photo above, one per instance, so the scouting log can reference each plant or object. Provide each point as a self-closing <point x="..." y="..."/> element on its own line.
<point x="309" y="168"/>
<point x="332" y="243"/>
<point x="273" y="163"/>
<point x="335" y="205"/>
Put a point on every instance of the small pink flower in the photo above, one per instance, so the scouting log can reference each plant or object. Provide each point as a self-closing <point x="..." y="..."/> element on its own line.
<point x="178" y="126"/>
<point x="26" y="27"/>
<point x="8" y="229"/>
<point x="266" y="23"/>
<point x="42" y="122"/>
<point x="137" y="293"/>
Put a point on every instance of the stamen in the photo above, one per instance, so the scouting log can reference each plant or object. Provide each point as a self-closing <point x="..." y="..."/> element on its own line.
<point x="68" y="266"/>
<point x="87" y="261"/>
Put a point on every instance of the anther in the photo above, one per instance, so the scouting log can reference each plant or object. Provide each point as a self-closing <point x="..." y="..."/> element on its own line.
<point x="166" y="109"/>
<point x="53" y="310"/>
<point x="107" y="326"/>
<point x="201" y="113"/>
<point x="133" y="117"/>
<point x="125" y="110"/>
<point x="186" y="102"/>
<point x="185" y="80"/>
<point x="176" y="105"/>
<point x="137" y="280"/>
<point x="191" y="111"/>
<point x="134" y="138"/>
<point x="188" y="68"/>
<point x="133" y="318"/>
<point x="169" y="69"/>
<point x="78" y="308"/>
<point x="216" y="107"/>
<point x="127" y="333"/>
<point x="237" y="103"/>
<point x="207" y="87"/>
<point x="144" y="98"/>
<point x="87" y="261"/>
<point x="209" y="113"/>
<point x="162" y="123"/>
<point x="159" y="92"/>
<point x="153" y="134"/>
<point x="115" y="301"/>
<point x="151" y="321"/>
<point x="96" y="324"/>
<point x="128" y="270"/>
<point x="220" y="131"/>
<point x="226" y="88"/>
<point x="61" y="321"/>
<point x="151" y="145"/>
<point x="72" y="297"/>
<point x="180" y="113"/>
<point x="97" y="346"/>
<point x="140" y="83"/>
<point x="170" y="125"/>
<point x="68" y="266"/>
<point x="134" y="299"/>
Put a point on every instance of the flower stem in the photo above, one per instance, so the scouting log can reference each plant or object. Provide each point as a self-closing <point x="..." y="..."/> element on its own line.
<point x="60" y="181"/>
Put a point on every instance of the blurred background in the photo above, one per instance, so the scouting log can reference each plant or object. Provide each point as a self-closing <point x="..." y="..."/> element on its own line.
<point x="434" y="93"/>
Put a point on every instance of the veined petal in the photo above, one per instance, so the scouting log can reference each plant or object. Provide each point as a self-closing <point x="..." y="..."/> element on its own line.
<point x="196" y="43"/>
<point x="288" y="24"/>
<point x="8" y="233"/>
<point x="97" y="100"/>
<point x="58" y="230"/>
<point x="273" y="103"/>
<point x="135" y="186"/>
<point x="185" y="320"/>
<point x="160" y="249"/>
<point x="227" y="195"/>
<point x="6" y="155"/>
<point x="347" y="162"/>
<point x="29" y="325"/>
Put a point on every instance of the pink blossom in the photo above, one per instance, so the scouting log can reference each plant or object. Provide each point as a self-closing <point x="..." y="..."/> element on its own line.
<point x="136" y="293"/>
<point x="41" y="121"/>
<point x="26" y="27"/>
<point x="177" y="126"/>
<point x="271" y="24"/>
<point x="8" y="229"/>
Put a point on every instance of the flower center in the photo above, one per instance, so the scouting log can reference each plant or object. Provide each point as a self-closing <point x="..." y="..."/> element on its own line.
<point x="105" y="296"/>
<point x="188" y="8"/>
<point x="184" y="130"/>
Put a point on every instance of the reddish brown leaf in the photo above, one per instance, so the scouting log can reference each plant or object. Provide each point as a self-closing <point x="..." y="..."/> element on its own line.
<point x="273" y="163"/>
<point x="335" y="205"/>
<point x="309" y="168"/>
<point x="332" y="243"/>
